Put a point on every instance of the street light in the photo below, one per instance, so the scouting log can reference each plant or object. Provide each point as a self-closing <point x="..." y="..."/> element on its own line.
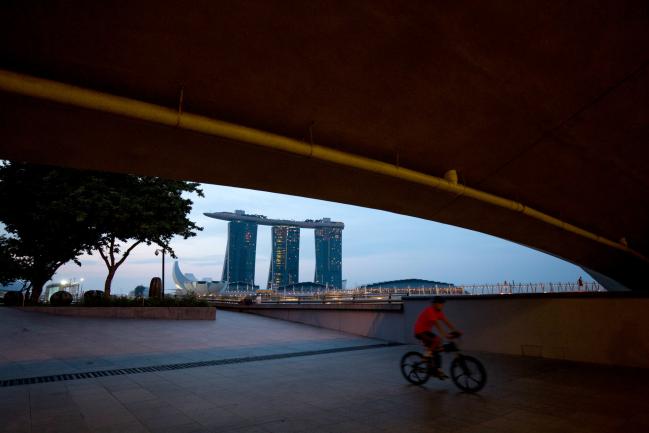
<point x="158" y="251"/>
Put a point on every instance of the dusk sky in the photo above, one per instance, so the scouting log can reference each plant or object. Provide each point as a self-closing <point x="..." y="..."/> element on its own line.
<point x="377" y="246"/>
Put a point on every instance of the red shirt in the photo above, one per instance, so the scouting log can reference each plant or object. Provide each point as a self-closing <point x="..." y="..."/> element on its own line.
<point x="427" y="319"/>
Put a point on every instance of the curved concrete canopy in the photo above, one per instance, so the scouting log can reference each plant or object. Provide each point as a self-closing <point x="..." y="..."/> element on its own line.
<point x="542" y="104"/>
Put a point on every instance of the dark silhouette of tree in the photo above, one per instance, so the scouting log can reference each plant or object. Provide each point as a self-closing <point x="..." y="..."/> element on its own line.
<point x="130" y="210"/>
<point x="11" y="263"/>
<point x="53" y="215"/>
<point x="46" y="227"/>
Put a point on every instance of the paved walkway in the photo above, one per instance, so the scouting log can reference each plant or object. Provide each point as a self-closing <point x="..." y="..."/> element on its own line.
<point x="43" y="344"/>
<point x="354" y="391"/>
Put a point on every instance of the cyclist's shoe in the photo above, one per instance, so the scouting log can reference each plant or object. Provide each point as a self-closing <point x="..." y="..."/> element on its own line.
<point x="440" y="374"/>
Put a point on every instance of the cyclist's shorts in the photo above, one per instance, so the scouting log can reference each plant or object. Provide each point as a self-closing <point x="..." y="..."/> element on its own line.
<point x="427" y="337"/>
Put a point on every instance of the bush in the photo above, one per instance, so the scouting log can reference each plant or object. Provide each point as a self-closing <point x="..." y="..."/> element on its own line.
<point x="61" y="299"/>
<point x="13" y="298"/>
<point x="93" y="298"/>
<point x="122" y="301"/>
<point x="188" y="300"/>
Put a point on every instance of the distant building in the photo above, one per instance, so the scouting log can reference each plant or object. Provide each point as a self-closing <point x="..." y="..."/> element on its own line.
<point x="241" y="286"/>
<point x="285" y="259"/>
<point x="411" y="283"/>
<point x="328" y="255"/>
<point x="73" y="287"/>
<point x="239" y="264"/>
<point x="306" y="286"/>
<point x="186" y="283"/>
<point x="16" y="286"/>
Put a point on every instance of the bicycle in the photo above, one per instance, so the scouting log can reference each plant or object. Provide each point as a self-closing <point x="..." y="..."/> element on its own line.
<point x="467" y="372"/>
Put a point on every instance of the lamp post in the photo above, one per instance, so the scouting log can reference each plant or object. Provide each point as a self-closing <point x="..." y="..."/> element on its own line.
<point x="79" y="293"/>
<point x="162" y="250"/>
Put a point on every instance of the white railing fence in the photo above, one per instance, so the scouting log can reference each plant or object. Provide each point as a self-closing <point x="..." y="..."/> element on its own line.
<point x="390" y="294"/>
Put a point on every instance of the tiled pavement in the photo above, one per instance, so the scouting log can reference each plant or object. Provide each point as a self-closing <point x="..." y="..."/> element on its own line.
<point x="359" y="391"/>
<point x="42" y="344"/>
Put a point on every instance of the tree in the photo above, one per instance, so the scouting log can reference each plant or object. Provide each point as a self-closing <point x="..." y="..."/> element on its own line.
<point x="46" y="227"/>
<point x="139" y="291"/>
<point x="11" y="265"/>
<point x="53" y="215"/>
<point x="131" y="210"/>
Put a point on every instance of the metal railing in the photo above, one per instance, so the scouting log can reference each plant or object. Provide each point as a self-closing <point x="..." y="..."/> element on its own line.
<point x="393" y="294"/>
<point x="490" y="289"/>
<point x="507" y="288"/>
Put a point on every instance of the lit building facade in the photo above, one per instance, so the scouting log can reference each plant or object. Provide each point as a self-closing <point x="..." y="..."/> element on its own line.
<point x="239" y="264"/>
<point x="328" y="255"/>
<point x="285" y="259"/>
<point x="240" y="253"/>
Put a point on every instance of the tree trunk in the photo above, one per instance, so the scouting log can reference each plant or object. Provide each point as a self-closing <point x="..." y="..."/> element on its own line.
<point x="108" y="282"/>
<point x="37" y="289"/>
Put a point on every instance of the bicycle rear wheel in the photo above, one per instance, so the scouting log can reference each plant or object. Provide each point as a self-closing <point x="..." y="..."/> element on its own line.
<point x="468" y="373"/>
<point x="415" y="368"/>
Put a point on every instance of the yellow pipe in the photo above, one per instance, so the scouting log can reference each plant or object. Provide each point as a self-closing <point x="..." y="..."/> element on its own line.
<point x="90" y="99"/>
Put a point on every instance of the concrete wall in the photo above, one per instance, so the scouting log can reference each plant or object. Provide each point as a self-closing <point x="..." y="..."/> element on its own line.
<point x="376" y="321"/>
<point x="376" y="324"/>
<point x="607" y="330"/>
<point x="601" y="329"/>
<point x="164" y="313"/>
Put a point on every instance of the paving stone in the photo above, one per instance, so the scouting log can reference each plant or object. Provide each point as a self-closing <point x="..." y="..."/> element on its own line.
<point x="338" y="392"/>
<point x="133" y="394"/>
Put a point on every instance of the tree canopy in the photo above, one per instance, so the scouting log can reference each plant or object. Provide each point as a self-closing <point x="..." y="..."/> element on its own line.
<point x="11" y="263"/>
<point x="132" y="210"/>
<point x="53" y="215"/>
<point x="46" y="226"/>
<point x="139" y="290"/>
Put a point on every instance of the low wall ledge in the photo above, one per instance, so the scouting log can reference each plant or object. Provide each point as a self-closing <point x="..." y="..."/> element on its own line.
<point x="159" y="313"/>
<point x="396" y="307"/>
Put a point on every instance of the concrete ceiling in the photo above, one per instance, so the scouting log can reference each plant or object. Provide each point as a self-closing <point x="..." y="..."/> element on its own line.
<point x="545" y="104"/>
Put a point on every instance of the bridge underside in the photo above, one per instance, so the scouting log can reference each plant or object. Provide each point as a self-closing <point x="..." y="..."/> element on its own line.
<point x="547" y="105"/>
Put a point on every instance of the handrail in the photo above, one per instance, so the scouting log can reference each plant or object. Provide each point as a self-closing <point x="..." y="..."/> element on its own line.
<point x="394" y="295"/>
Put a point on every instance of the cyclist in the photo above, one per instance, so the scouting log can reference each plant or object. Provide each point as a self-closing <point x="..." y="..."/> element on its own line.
<point x="427" y="320"/>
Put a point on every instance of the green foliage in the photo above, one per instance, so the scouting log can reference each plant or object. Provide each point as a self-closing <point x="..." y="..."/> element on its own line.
<point x="11" y="265"/>
<point x="139" y="291"/>
<point x="187" y="300"/>
<point x="140" y="210"/>
<point x="42" y="214"/>
<point x="93" y="297"/>
<point x="61" y="299"/>
<point x="53" y="215"/>
<point x="190" y="300"/>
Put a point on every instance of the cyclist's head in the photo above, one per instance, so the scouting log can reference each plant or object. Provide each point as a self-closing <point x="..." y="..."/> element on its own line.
<point x="438" y="302"/>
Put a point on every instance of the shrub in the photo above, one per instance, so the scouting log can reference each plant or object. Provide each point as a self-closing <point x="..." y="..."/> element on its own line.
<point x="93" y="298"/>
<point x="13" y="298"/>
<point x="61" y="299"/>
<point x="188" y="300"/>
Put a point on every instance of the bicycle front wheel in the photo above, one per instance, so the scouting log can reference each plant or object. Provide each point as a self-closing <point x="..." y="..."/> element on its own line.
<point x="415" y="368"/>
<point x="468" y="373"/>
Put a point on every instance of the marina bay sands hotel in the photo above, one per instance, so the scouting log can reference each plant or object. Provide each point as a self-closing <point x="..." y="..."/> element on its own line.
<point x="239" y="264"/>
